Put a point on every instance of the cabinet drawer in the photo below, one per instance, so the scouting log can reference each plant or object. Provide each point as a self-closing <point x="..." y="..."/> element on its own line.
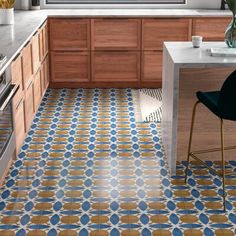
<point x="35" y="52"/>
<point x="116" y="66"/>
<point x="17" y="78"/>
<point x="29" y="105"/>
<point x="152" y="66"/>
<point x="20" y="129"/>
<point x="116" y="34"/>
<point x="27" y="65"/>
<point x="37" y="91"/>
<point x="70" y="66"/>
<point x="156" y="31"/>
<point x="212" y="29"/>
<point x="69" y="34"/>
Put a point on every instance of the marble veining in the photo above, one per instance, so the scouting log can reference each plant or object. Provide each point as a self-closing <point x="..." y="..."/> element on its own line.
<point x="177" y="55"/>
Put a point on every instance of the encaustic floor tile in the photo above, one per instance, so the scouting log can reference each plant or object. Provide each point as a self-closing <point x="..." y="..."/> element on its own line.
<point x="87" y="168"/>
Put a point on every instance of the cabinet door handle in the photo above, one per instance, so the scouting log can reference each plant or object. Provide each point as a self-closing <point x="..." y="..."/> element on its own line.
<point x="17" y="55"/>
<point x="35" y="33"/>
<point x="21" y="101"/>
<point x="27" y="43"/>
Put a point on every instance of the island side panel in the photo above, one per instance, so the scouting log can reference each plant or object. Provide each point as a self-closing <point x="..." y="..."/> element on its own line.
<point x="170" y="88"/>
<point x="207" y="125"/>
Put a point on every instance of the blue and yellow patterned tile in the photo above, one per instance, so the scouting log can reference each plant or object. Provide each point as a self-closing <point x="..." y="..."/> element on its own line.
<point x="87" y="168"/>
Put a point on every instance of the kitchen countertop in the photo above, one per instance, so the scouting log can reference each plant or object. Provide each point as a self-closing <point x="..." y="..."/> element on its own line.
<point x="14" y="37"/>
<point x="178" y="55"/>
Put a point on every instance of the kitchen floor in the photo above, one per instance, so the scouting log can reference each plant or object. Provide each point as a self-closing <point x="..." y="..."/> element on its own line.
<point x="87" y="168"/>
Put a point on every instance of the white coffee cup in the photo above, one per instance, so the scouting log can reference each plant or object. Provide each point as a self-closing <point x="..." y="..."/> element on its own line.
<point x="197" y="41"/>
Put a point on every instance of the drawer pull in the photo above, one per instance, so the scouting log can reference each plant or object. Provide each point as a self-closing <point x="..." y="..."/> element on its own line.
<point x="20" y="102"/>
<point x="27" y="43"/>
<point x="17" y="55"/>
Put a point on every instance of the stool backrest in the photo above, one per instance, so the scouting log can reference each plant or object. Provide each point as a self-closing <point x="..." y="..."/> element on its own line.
<point x="227" y="98"/>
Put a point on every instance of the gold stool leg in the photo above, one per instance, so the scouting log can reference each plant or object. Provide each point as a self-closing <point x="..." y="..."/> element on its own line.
<point x="223" y="161"/>
<point x="190" y="140"/>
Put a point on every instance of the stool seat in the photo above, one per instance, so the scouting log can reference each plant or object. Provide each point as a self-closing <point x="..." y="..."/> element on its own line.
<point x="210" y="100"/>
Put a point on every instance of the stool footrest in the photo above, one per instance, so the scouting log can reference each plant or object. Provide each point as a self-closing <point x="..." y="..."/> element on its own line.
<point x="193" y="155"/>
<point x="213" y="150"/>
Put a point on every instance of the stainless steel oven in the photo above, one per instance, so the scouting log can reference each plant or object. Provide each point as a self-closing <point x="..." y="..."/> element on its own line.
<point x="7" y="136"/>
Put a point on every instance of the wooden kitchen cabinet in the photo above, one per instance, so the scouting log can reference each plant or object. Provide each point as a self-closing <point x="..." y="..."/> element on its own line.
<point x="20" y="125"/>
<point x="17" y="78"/>
<point x="212" y="29"/>
<point x="36" y="52"/>
<point x="29" y="105"/>
<point x="116" y="34"/>
<point x="45" y="75"/>
<point x="70" y="66"/>
<point x="68" y="34"/>
<point x="116" y="66"/>
<point x="37" y="90"/>
<point x="45" y="39"/>
<point x="156" y="31"/>
<point x="27" y="65"/>
<point x="152" y="66"/>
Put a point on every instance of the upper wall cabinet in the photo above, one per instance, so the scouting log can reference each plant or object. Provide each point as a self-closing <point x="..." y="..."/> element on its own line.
<point x="156" y="31"/>
<point x="116" y="34"/>
<point x="212" y="29"/>
<point x="69" y="34"/>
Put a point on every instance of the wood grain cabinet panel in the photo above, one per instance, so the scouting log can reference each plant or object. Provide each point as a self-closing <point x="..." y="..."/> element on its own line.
<point x="116" y="34"/>
<point x="37" y="90"/>
<point x="41" y="54"/>
<point x="156" y="31"/>
<point x="116" y="66"/>
<point x="212" y="29"/>
<point x="46" y="73"/>
<point x="69" y="34"/>
<point x="20" y="128"/>
<point x="35" y="52"/>
<point x="27" y="65"/>
<point x="17" y="78"/>
<point x="70" y="66"/>
<point x="152" y="66"/>
<point x="45" y="39"/>
<point x="29" y="105"/>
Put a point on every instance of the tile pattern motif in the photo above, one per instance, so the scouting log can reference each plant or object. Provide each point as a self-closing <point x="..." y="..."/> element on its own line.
<point x="87" y="168"/>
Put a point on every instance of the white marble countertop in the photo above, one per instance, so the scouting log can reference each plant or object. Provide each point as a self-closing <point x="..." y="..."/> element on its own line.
<point x="183" y="54"/>
<point x="13" y="37"/>
<point x="178" y="55"/>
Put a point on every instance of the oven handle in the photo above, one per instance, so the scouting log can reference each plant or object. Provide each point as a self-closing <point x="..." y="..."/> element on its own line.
<point x="14" y="88"/>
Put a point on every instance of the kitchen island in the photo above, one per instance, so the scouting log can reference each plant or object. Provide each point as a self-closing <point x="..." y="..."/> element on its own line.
<point x="187" y="70"/>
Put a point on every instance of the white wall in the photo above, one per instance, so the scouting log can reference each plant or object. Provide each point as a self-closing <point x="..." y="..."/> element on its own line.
<point x="201" y="4"/>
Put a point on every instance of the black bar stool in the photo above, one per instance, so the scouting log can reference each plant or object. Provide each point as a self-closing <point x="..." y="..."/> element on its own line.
<point x="223" y="104"/>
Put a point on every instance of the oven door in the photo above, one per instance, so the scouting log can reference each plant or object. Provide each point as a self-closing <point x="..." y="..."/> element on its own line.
<point x="6" y="117"/>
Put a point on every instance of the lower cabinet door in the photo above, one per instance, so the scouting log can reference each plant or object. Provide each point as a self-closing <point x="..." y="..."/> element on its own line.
<point x="70" y="66"/>
<point x="20" y="129"/>
<point x="152" y="66"/>
<point x="29" y="105"/>
<point x="37" y="91"/>
<point x="116" y="66"/>
<point x="46" y="73"/>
